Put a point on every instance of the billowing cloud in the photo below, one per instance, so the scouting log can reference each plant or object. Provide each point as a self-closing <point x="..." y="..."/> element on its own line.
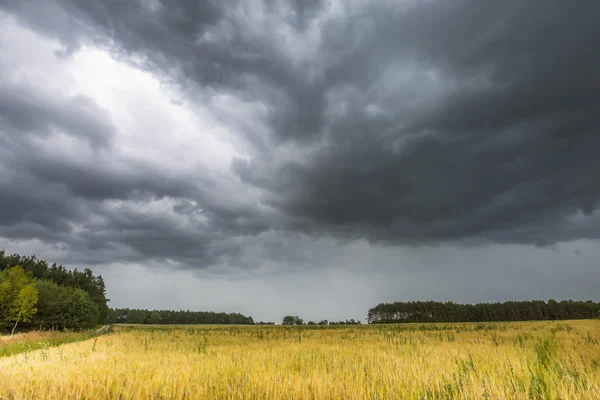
<point x="261" y="135"/>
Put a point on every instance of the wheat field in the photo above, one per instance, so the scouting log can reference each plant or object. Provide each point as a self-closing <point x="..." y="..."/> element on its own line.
<point x="520" y="360"/>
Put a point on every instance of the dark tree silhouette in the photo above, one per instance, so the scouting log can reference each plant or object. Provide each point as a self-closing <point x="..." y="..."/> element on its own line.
<point x="431" y="311"/>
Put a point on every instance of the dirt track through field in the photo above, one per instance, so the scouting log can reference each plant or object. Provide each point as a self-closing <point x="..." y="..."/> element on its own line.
<point x="104" y="327"/>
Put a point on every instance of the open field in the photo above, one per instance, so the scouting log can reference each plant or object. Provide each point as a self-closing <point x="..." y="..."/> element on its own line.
<point x="520" y="360"/>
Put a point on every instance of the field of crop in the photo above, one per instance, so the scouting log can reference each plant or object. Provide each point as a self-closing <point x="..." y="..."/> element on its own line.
<point x="527" y="360"/>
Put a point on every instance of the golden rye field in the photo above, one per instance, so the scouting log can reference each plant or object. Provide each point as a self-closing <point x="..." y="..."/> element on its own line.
<point x="526" y="360"/>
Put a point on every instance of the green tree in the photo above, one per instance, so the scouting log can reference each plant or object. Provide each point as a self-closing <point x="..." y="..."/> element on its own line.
<point x="6" y="298"/>
<point x="40" y="270"/>
<point x="62" y="307"/>
<point x="292" y="320"/>
<point x="18" y="296"/>
<point x="111" y="317"/>
<point x="52" y="305"/>
<point x="154" y="318"/>
<point x="136" y="316"/>
<point x="25" y="305"/>
<point x="82" y="312"/>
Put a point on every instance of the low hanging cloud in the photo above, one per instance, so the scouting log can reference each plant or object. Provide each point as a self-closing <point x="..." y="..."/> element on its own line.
<point x="400" y="123"/>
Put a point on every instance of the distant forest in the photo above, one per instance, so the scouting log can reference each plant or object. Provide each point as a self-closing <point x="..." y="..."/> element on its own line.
<point x="36" y="295"/>
<point x="431" y="311"/>
<point x="137" y="316"/>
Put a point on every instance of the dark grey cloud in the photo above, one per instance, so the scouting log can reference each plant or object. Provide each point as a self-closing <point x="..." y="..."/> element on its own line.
<point x="412" y="123"/>
<point x="502" y="150"/>
<point x="66" y="182"/>
<point x="131" y="212"/>
<point x="26" y="111"/>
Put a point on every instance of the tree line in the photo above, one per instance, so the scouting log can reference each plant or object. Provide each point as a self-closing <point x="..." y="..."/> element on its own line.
<point x="295" y="320"/>
<point x="431" y="311"/>
<point x="138" y="316"/>
<point x="36" y="295"/>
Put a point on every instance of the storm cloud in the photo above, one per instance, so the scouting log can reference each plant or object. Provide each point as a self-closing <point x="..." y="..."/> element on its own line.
<point x="264" y="136"/>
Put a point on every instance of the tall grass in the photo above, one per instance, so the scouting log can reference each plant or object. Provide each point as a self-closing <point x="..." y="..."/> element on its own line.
<point x="522" y="360"/>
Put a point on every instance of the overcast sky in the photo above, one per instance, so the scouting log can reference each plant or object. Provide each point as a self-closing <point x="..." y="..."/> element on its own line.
<point x="311" y="158"/>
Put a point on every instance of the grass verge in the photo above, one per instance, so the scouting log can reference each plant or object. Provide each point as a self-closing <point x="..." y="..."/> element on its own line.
<point x="30" y="341"/>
